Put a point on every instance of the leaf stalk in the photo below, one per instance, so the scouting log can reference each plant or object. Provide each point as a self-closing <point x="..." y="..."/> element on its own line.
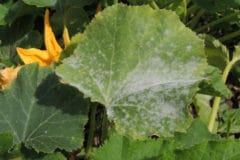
<point x="217" y="100"/>
<point x="91" y="130"/>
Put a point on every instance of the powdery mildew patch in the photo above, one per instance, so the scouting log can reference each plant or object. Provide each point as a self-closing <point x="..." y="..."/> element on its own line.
<point x="142" y="64"/>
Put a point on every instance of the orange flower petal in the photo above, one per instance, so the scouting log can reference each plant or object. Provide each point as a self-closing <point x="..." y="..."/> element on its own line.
<point x="7" y="75"/>
<point x="51" y="43"/>
<point x="34" y="55"/>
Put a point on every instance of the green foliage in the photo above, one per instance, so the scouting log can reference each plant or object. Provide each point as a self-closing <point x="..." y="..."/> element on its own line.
<point x="145" y="73"/>
<point x="37" y="107"/>
<point x="3" y="13"/>
<point x="213" y="84"/>
<point x="195" y="144"/>
<point x="217" y="5"/>
<point x="230" y="121"/>
<point x="153" y="88"/>
<point x="217" y="54"/>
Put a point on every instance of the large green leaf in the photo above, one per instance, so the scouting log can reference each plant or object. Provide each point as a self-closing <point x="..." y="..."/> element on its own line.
<point x="142" y="64"/>
<point x="41" y="112"/>
<point x="197" y="144"/>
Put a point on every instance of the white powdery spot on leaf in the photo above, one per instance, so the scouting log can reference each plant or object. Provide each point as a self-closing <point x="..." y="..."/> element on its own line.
<point x="143" y="68"/>
<point x="189" y="48"/>
<point x="167" y="32"/>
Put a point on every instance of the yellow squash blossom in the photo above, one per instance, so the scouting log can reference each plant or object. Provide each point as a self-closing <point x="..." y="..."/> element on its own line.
<point x="7" y="75"/>
<point x="43" y="57"/>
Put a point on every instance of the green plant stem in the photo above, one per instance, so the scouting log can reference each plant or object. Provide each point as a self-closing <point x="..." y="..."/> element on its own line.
<point x="91" y="130"/>
<point x="217" y="100"/>
<point x="218" y="21"/>
<point x="104" y="127"/>
<point x="185" y="11"/>
<point x="115" y="1"/>
<point x="154" y="5"/>
<point x="105" y="3"/>
<point x="230" y="36"/>
<point x="192" y="9"/>
<point x="193" y="22"/>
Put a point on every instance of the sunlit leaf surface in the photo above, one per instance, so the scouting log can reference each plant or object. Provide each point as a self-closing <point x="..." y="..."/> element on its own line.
<point x="142" y="64"/>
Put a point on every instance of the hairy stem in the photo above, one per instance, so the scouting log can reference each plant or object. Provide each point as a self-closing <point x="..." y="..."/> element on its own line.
<point x="217" y="100"/>
<point x="91" y="130"/>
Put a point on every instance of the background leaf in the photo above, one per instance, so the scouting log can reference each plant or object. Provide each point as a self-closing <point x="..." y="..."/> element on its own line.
<point x="19" y="34"/>
<point x="37" y="107"/>
<point x="3" y="13"/>
<point x="140" y="64"/>
<point x="41" y="3"/>
<point x="217" y="5"/>
<point x="230" y="120"/>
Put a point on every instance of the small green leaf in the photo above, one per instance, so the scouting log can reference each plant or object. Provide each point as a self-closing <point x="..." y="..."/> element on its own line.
<point x="213" y="84"/>
<point x="41" y="3"/>
<point x="142" y="64"/>
<point x="41" y="112"/>
<point x="217" y="53"/>
<point x="236" y="52"/>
